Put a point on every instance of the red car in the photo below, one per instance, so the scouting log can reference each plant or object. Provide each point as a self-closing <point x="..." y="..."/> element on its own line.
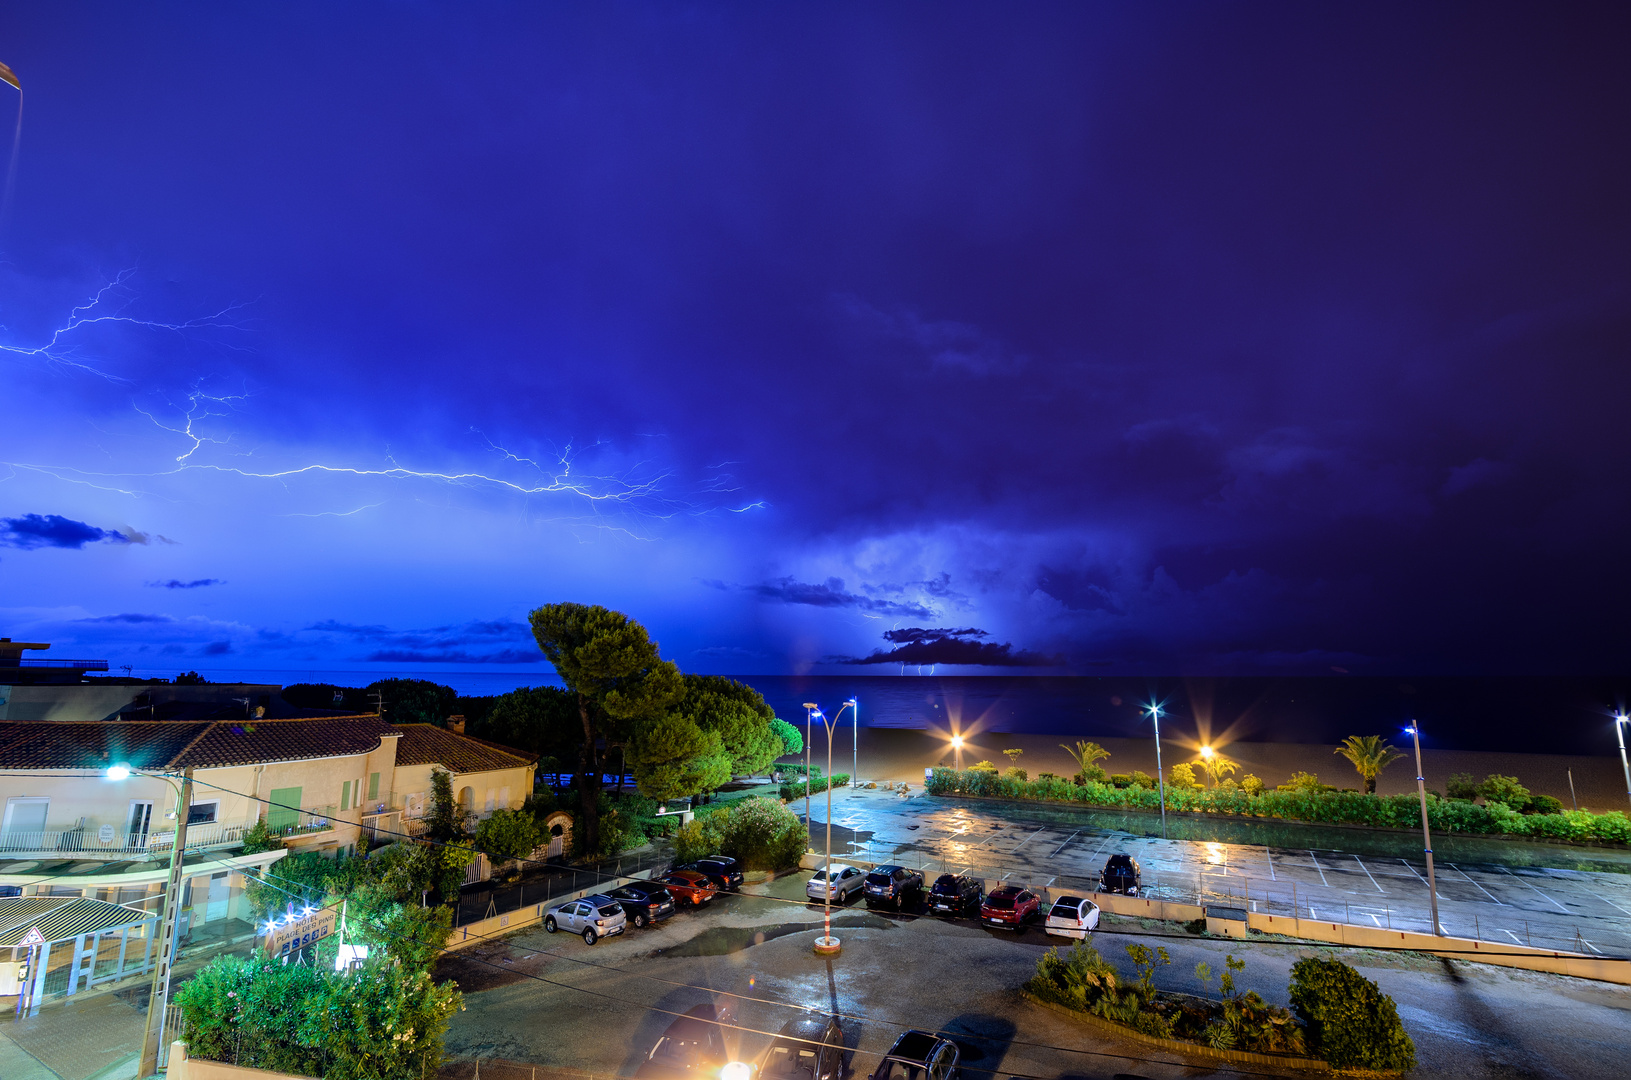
<point x="1010" y="906"/>
<point x="689" y="887"/>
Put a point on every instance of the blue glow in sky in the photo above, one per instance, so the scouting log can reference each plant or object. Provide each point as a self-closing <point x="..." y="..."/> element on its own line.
<point x="1253" y="338"/>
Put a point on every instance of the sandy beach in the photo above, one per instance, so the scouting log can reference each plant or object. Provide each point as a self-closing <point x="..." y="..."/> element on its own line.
<point x="897" y="754"/>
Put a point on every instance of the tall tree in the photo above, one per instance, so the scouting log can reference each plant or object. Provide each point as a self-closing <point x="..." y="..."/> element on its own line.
<point x="413" y="701"/>
<point x="1369" y="755"/>
<point x="542" y="719"/>
<point x="674" y="757"/>
<point x="1085" y="754"/>
<point x="611" y="665"/>
<point x="738" y="714"/>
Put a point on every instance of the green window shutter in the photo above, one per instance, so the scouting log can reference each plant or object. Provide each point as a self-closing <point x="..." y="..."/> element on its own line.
<point x="373" y="786"/>
<point x="277" y="816"/>
<point x="345" y="795"/>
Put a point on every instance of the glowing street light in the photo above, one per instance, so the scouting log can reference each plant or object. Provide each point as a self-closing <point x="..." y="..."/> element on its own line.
<point x="957" y="745"/>
<point x="1620" y="720"/>
<point x="855" y="734"/>
<point x="1426" y="836"/>
<point x="826" y="944"/>
<point x="736" y="1070"/>
<point x="1206" y="751"/>
<point x="1160" y="778"/>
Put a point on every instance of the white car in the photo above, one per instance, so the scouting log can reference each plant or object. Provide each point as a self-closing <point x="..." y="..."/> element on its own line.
<point x="594" y="917"/>
<point x="1072" y="916"/>
<point x="846" y="882"/>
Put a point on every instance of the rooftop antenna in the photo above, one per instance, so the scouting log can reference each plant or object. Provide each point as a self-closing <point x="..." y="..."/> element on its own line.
<point x="379" y="702"/>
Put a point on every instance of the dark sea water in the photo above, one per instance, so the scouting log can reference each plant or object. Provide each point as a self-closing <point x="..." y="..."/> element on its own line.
<point x="1549" y="715"/>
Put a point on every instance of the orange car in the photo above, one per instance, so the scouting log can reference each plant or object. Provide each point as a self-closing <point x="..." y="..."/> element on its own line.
<point x="689" y="887"/>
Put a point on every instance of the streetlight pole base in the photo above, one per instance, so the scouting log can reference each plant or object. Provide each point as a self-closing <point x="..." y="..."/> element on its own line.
<point x="826" y="946"/>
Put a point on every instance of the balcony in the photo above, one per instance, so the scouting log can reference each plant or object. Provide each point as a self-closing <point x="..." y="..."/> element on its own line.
<point x="90" y="840"/>
<point x="291" y="825"/>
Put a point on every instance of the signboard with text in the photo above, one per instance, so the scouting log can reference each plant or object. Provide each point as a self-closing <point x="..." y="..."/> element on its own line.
<point x="291" y="935"/>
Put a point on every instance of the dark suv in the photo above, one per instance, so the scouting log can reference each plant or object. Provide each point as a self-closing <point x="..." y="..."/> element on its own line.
<point x="919" y="1055"/>
<point x="1121" y="875"/>
<point x="891" y="885"/>
<point x="644" y="901"/>
<point x="722" y="870"/>
<point x="954" y="894"/>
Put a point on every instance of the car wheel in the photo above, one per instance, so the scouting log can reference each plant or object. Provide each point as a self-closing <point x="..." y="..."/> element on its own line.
<point x="589" y="936"/>
<point x="639" y="920"/>
<point x="549" y="924"/>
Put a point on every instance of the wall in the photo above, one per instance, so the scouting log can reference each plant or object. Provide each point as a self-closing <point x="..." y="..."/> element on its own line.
<point x="182" y="1067"/>
<point x="413" y="781"/>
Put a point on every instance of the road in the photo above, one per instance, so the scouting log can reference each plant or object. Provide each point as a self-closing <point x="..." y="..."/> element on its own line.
<point x="1052" y="846"/>
<point x="551" y="1000"/>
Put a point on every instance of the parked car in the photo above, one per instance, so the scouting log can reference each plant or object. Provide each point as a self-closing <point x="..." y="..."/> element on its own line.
<point x="689" y="887"/>
<point x="1072" y="916"/>
<point x="695" y="1045"/>
<point x="1010" y="906"/>
<point x="919" y="1055"/>
<point x="644" y="902"/>
<point x="807" y="1048"/>
<point x="892" y="885"/>
<point x="954" y="894"/>
<point x="594" y="917"/>
<point x="846" y="882"/>
<point x="722" y="870"/>
<point x="1121" y="874"/>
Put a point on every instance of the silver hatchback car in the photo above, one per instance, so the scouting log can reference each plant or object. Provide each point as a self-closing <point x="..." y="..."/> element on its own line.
<point x="594" y="917"/>
<point x="846" y="882"/>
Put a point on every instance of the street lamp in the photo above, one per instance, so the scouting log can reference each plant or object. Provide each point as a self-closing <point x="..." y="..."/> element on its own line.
<point x="170" y="925"/>
<point x="826" y="944"/>
<point x="1160" y="778"/>
<point x="957" y="745"/>
<point x="1206" y="755"/>
<point x="1620" y="720"/>
<point x="855" y="733"/>
<point x="1426" y="835"/>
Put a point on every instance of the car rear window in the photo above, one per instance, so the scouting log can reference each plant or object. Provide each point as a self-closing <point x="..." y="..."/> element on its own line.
<point x="1000" y="903"/>
<point x="611" y="909"/>
<point x="878" y="879"/>
<point x="945" y="883"/>
<point x="1064" y="910"/>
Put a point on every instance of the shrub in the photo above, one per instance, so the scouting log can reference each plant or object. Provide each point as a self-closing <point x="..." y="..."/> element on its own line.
<point x="1047" y="776"/>
<point x="1181" y="777"/>
<point x="507" y="834"/>
<point x="1121" y="780"/>
<point x="1014" y="772"/>
<point x="983" y="766"/>
<point x="1143" y="780"/>
<point x="1461" y="786"/>
<point x="1093" y="774"/>
<point x="1304" y="782"/>
<point x="1613" y="827"/>
<point x="1351" y="1023"/>
<point x="258" y="838"/>
<point x="817" y="784"/>
<point x="1504" y="789"/>
<point x="792" y="738"/>
<point x="762" y="835"/>
<point x="1251" y="785"/>
<point x="1544" y="804"/>
<point x="699" y="837"/>
<point x="942" y="782"/>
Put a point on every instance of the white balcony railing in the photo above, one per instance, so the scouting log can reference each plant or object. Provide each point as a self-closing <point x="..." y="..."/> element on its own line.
<point x="108" y="841"/>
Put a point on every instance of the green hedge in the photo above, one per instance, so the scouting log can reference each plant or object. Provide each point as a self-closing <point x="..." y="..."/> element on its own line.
<point x="1333" y="807"/>
<point x="795" y="789"/>
<point x="1351" y="1023"/>
<point x="761" y="834"/>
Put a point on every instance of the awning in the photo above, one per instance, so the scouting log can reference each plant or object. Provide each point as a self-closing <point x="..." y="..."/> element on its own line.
<point x="62" y="918"/>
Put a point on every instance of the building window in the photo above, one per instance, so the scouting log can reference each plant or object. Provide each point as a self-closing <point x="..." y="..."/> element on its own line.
<point x="26" y="815"/>
<point x="204" y="813"/>
<point x="373" y="786"/>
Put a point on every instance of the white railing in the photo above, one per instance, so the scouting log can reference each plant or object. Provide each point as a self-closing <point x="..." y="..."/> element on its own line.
<point x="106" y="840"/>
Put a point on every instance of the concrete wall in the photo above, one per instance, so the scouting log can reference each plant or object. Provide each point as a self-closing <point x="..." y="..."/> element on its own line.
<point x="486" y="929"/>
<point x="182" y="1067"/>
<point x="493" y="790"/>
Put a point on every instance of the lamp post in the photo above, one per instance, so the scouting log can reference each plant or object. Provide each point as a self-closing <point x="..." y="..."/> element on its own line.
<point x="957" y="745"/>
<point x="826" y="944"/>
<point x="855" y="732"/>
<point x="158" y="998"/>
<point x="809" y="711"/>
<point x="1426" y="835"/>
<point x="1160" y="777"/>
<point x="1620" y="720"/>
<point x="1206" y="758"/>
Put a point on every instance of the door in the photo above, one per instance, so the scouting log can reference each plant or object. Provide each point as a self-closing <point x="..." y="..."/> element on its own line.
<point x="137" y="823"/>
<point x="284" y="811"/>
<point x="220" y="893"/>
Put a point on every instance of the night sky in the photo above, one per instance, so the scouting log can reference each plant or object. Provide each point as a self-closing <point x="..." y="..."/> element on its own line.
<point x="1184" y="339"/>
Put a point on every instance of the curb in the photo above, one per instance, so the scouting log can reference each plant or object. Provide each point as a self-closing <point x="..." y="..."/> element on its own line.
<point x="1238" y="1057"/>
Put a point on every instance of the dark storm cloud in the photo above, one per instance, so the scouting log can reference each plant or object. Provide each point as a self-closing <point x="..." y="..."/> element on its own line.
<point x="52" y="530"/>
<point x="439" y="644"/>
<point x="832" y="594"/>
<point x="406" y="656"/>
<point x="176" y="583"/>
<point x="216" y="648"/>
<point x="916" y="645"/>
<point x="128" y="617"/>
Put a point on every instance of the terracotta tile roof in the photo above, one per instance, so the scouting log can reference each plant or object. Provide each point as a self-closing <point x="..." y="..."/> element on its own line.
<point x="95" y="745"/>
<point x="427" y="744"/>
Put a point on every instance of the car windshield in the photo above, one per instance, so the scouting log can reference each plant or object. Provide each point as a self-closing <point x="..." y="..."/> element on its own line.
<point x="1000" y="903"/>
<point x="611" y="909"/>
<point x="794" y="1062"/>
<point x="900" y="1070"/>
<point x="687" y="1048"/>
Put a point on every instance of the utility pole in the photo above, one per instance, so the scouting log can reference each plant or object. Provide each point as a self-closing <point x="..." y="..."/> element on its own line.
<point x="1160" y="777"/>
<point x="1619" y="729"/>
<point x="1426" y="836"/>
<point x="158" y="999"/>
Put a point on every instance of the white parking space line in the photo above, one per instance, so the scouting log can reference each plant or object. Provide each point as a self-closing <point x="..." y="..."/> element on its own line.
<point x="1413" y="870"/>
<point x="1609" y="902"/>
<point x="1543" y="896"/>
<point x="1373" y="918"/>
<point x="1321" y="869"/>
<point x="1479" y="887"/>
<point x="1028" y="839"/>
<point x="1051" y="880"/>
<point x="1368" y="874"/>
<point x="1592" y="947"/>
<point x="1269" y="856"/>
<point x="1102" y="843"/>
<point x="1511" y="935"/>
<point x="1066" y="844"/>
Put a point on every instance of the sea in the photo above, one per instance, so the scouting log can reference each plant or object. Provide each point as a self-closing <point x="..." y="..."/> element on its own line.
<point x="1521" y="714"/>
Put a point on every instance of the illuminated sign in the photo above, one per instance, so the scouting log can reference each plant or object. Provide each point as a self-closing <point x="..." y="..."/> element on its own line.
<point x="295" y="930"/>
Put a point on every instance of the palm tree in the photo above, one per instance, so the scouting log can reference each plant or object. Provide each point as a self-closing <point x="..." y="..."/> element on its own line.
<point x="1215" y="765"/>
<point x="1085" y="754"/>
<point x="1370" y="755"/>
